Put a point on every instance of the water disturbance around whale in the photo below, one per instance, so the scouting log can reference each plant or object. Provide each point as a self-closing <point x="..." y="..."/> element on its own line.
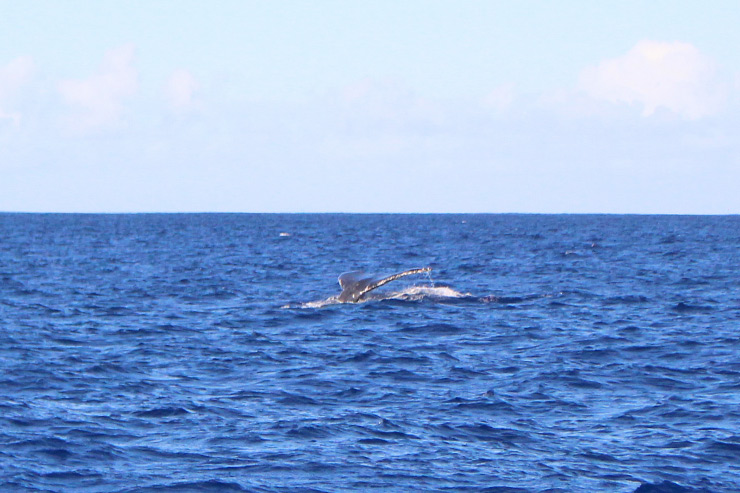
<point x="357" y="284"/>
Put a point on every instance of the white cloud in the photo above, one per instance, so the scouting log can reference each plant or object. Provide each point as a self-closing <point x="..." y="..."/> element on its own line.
<point x="180" y="90"/>
<point x="12" y="77"/>
<point x="99" y="98"/>
<point x="654" y="74"/>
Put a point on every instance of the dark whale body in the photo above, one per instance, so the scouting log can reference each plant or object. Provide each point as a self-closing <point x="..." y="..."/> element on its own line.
<point x="357" y="284"/>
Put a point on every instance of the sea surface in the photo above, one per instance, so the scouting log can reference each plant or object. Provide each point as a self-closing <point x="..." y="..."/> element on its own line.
<point x="207" y="352"/>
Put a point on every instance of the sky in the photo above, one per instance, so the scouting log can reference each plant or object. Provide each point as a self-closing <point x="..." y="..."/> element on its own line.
<point x="384" y="106"/>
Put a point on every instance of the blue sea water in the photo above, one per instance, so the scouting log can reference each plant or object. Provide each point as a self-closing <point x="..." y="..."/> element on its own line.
<point x="205" y="352"/>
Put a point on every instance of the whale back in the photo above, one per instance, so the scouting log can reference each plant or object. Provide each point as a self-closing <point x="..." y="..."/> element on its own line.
<point x="357" y="284"/>
<point x="353" y="285"/>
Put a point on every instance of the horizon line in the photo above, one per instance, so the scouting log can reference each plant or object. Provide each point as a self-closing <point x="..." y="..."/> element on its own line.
<point x="111" y="213"/>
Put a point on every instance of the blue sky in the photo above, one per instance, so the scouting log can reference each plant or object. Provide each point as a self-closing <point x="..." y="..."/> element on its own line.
<point x="385" y="106"/>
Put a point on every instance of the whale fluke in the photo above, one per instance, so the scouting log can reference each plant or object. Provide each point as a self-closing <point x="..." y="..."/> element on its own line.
<point x="357" y="284"/>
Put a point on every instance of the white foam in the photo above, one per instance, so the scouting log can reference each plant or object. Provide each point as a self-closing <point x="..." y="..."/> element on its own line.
<point x="419" y="292"/>
<point x="412" y="293"/>
<point x="314" y="304"/>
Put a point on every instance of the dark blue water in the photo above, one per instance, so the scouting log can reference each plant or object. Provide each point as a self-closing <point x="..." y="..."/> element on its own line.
<point x="202" y="353"/>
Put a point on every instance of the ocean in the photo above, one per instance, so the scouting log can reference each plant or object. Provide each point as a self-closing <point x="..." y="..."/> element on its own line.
<point x="208" y="352"/>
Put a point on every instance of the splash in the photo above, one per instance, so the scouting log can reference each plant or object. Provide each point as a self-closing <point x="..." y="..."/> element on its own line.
<point x="411" y="293"/>
<point x="420" y="292"/>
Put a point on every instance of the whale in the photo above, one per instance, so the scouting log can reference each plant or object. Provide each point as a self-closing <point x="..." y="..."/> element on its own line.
<point x="356" y="284"/>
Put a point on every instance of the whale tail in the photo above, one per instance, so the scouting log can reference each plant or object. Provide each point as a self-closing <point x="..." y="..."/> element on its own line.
<point x="357" y="284"/>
